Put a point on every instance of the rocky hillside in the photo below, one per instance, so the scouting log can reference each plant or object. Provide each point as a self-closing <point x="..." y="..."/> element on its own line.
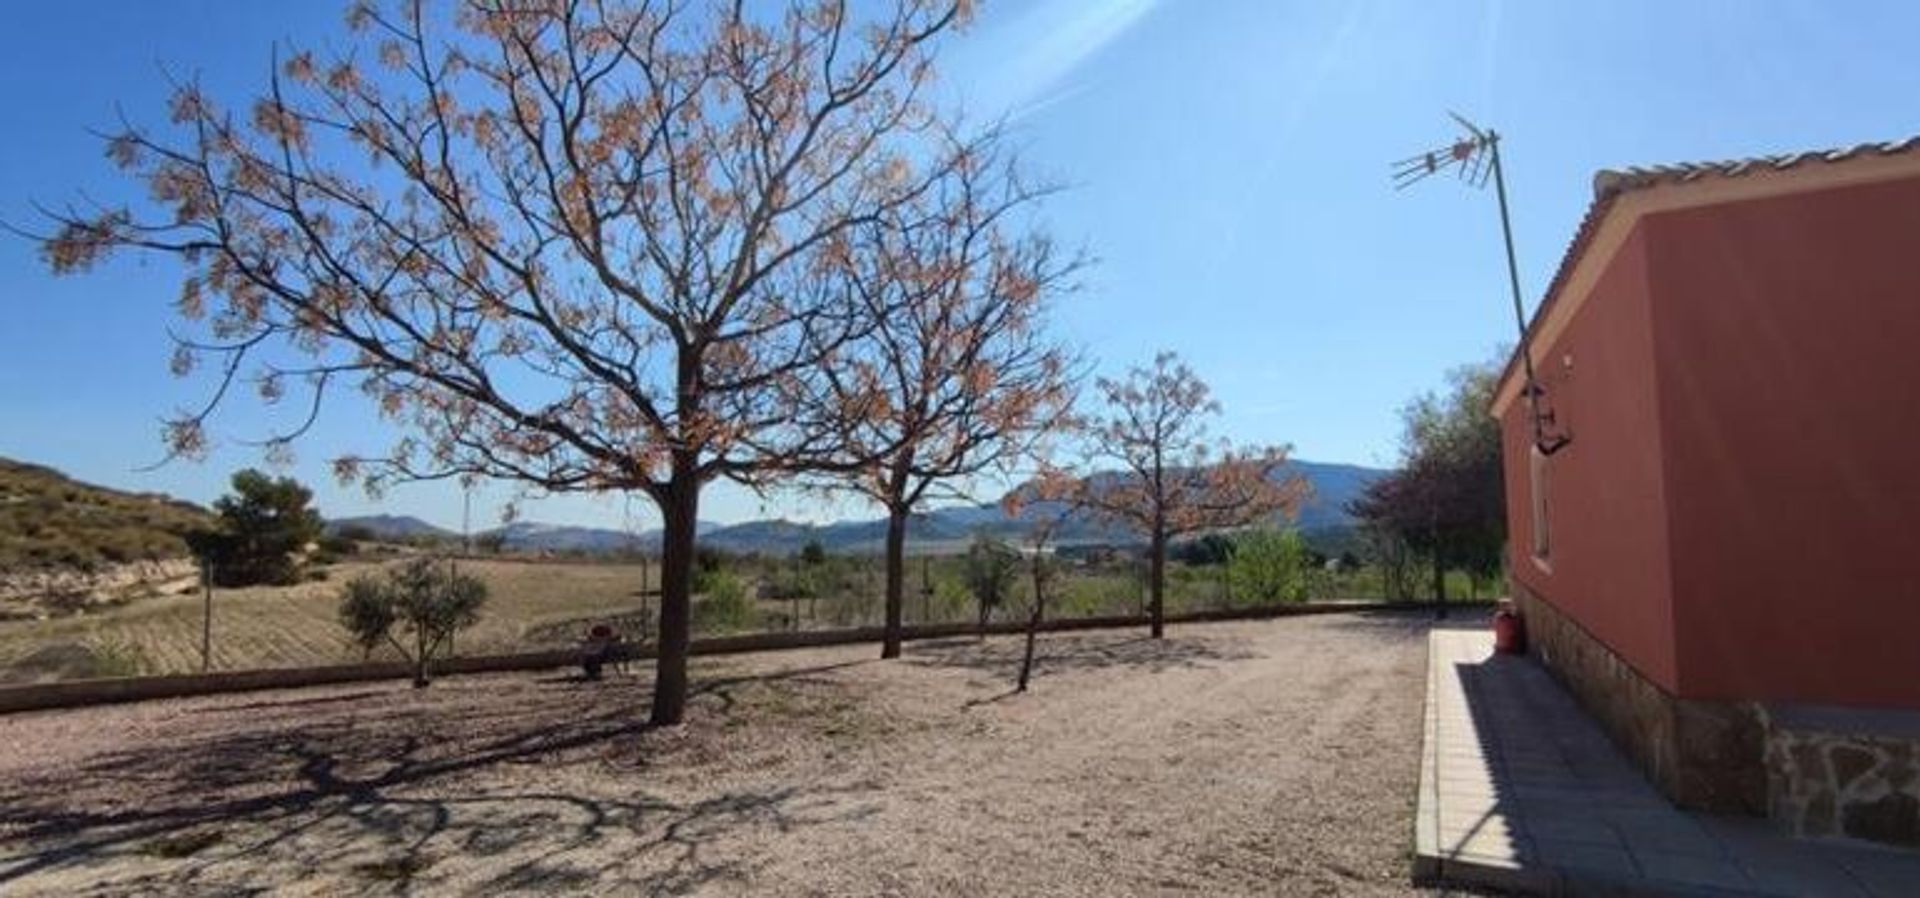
<point x="49" y="521"/>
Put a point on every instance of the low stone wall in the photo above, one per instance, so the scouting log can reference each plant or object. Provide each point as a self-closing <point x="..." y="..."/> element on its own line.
<point x="73" y="693"/>
<point x="1702" y="755"/>
<point x="1835" y="772"/>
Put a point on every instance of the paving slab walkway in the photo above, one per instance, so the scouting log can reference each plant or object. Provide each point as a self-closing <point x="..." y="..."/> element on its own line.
<point x="1520" y="790"/>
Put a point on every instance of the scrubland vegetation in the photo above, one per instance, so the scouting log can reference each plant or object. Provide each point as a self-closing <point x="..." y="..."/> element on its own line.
<point x="538" y="603"/>
<point x="50" y="521"/>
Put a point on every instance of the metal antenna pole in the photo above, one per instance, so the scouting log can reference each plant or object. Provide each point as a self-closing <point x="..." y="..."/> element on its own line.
<point x="1513" y="280"/>
<point x="1471" y="157"/>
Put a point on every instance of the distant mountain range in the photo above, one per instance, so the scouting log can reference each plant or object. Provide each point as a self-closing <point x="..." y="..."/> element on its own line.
<point x="943" y="529"/>
<point x="388" y="526"/>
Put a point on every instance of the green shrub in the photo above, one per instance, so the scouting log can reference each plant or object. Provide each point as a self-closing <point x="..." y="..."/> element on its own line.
<point x="989" y="567"/>
<point x="801" y="583"/>
<point x="1082" y="597"/>
<point x="357" y="533"/>
<point x="852" y="608"/>
<point x="725" y="605"/>
<point x="708" y="568"/>
<point x="1268" y="566"/>
<point x="338" y="545"/>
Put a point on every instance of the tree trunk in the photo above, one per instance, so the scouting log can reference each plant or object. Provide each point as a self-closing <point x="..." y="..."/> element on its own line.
<point x="679" y="512"/>
<point x="1157" y="584"/>
<point x="419" y="657"/>
<point x="1033" y="627"/>
<point x="896" y="580"/>
<point x="1039" y="612"/>
<point x="1039" y="598"/>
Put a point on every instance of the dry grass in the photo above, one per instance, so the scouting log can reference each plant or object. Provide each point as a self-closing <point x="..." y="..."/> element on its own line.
<point x="271" y="626"/>
<point x="533" y="604"/>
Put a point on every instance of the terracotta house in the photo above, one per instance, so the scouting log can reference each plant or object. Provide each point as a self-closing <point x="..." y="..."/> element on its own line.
<point x="1722" y="559"/>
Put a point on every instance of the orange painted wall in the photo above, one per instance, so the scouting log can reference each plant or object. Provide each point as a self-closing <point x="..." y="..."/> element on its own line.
<point x="1786" y="335"/>
<point x="1608" y="565"/>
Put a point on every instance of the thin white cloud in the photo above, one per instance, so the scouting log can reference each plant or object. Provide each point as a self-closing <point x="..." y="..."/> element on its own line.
<point x="1019" y="69"/>
<point x="1041" y="104"/>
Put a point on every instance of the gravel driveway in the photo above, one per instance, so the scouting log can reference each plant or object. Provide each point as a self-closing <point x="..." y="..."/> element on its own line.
<point x="1256" y="757"/>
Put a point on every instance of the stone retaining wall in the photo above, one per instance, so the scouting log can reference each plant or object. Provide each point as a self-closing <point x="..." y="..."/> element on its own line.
<point x="74" y="693"/>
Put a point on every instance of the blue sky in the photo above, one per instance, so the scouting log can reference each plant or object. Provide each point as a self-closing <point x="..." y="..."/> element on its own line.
<point x="1227" y="163"/>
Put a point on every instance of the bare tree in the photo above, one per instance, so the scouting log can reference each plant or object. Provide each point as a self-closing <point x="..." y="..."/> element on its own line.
<point x="1042" y="568"/>
<point x="1156" y="471"/>
<point x="585" y="246"/>
<point x="956" y="377"/>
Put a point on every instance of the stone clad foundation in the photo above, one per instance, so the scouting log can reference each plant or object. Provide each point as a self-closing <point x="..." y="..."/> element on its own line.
<point x="1703" y="756"/>
<point x="1814" y="771"/>
<point x="1845" y="773"/>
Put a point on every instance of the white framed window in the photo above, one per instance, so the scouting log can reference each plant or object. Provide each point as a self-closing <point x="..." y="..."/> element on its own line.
<point x="1542" y="527"/>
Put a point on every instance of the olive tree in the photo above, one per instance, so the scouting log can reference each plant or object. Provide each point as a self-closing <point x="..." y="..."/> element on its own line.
<point x="416" y="608"/>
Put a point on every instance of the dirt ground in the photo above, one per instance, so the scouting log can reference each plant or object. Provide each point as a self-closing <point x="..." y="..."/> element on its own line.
<point x="1243" y="758"/>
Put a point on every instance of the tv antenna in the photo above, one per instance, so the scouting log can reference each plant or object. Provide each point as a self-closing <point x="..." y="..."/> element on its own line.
<point x="1473" y="158"/>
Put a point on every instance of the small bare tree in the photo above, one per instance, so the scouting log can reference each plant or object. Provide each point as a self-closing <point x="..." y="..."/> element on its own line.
<point x="584" y="246"/>
<point x="957" y="376"/>
<point x="1156" y="471"/>
<point x="1042" y="568"/>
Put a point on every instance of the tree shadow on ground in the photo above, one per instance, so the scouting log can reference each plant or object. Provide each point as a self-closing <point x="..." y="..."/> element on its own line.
<point x="1056" y="653"/>
<point x="284" y="703"/>
<point x="381" y="788"/>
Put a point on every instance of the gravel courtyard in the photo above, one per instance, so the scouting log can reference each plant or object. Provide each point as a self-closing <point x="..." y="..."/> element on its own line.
<point x="1254" y="757"/>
